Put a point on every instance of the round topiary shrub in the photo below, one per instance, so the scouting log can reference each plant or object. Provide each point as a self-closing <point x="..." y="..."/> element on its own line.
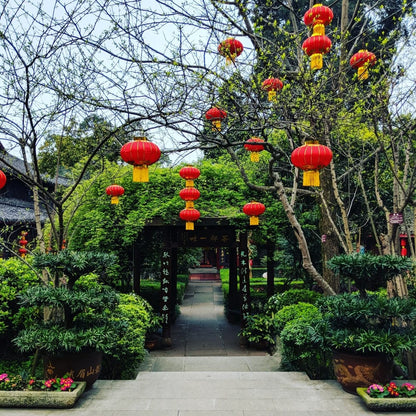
<point x="301" y="310"/>
<point x="290" y="297"/>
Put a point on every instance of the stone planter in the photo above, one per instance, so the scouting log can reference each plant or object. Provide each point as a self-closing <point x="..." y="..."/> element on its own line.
<point x="361" y="370"/>
<point x="390" y="404"/>
<point x="42" y="399"/>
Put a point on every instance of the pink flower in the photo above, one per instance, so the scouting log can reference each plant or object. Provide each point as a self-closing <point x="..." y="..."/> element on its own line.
<point x="31" y="382"/>
<point x="408" y="386"/>
<point x="3" y="376"/>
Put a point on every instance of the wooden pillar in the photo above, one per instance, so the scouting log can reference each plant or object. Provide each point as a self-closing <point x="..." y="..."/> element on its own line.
<point x="244" y="277"/>
<point x="174" y="272"/>
<point x="233" y="300"/>
<point x="166" y="293"/>
<point x="136" y="268"/>
<point x="270" y="247"/>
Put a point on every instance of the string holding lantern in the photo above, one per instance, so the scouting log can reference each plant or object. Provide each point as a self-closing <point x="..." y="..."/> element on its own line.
<point x="140" y="153"/>
<point x="315" y="47"/>
<point x="189" y="215"/>
<point x="189" y="195"/>
<point x="317" y="17"/>
<point x="3" y="179"/>
<point x="362" y="60"/>
<point x="215" y="116"/>
<point x="23" y="242"/>
<point x="230" y="48"/>
<point x="311" y="157"/>
<point x="189" y="173"/>
<point x="254" y="145"/>
<point x="272" y="85"/>
<point x="253" y="209"/>
<point x="115" y="191"/>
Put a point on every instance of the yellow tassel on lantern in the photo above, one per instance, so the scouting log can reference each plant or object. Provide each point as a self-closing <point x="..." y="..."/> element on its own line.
<point x="254" y="220"/>
<point x="311" y="178"/>
<point x="216" y="125"/>
<point x="271" y="95"/>
<point x="363" y="72"/>
<point x="189" y="225"/>
<point x="114" y="199"/>
<point x="140" y="173"/>
<point x="255" y="156"/>
<point x="318" y="30"/>
<point x="189" y="204"/>
<point x="189" y="183"/>
<point x="317" y="61"/>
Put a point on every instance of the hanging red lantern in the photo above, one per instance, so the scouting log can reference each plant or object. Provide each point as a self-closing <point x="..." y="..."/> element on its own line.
<point x="254" y="145"/>
<point x="318" y="17"/>
<point x="403" y="245"/>
<point x="115" y="191"/>
<point x="253" y="210"/>
<point x="272" y="85"/>
<point x="189" y="195"/>
<point x="23" y="242"/>
<point x="189" y="215"/>
<point x="3" y="179"/>
<point x="189" y="173"/>
<point x="215" y="115"/>
<point x="315" y="47"/>
<point x="362" y="60"/>
<point x="311" y="157"/>
<point x="140" y="153"/>
<point x="230" y="48"/>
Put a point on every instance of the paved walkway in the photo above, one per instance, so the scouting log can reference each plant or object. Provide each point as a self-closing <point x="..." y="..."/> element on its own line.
<point x="207" y="373"/>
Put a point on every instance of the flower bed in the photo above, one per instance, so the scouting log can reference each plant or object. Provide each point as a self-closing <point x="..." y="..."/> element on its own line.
<point x="390" y="397"/>
<point x="16" y="391"/>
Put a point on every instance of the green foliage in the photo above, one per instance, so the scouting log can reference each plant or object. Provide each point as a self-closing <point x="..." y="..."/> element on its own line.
<point x="15" y="277"/>
<point x="290" y="297"/>
<point x="304" y="348"/>
<point x="72" y="265"/>
<point x="301" y="310"/>
<point x="259" y="328"/>
<point x="371" y="324"/>
<point x="137" y="315"/>
<point x="367" y="271"/>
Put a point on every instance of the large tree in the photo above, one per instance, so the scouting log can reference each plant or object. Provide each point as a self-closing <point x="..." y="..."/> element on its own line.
<point x="156" y="63"/>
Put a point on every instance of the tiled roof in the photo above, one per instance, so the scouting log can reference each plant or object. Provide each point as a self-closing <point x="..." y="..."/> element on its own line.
<point x="14" y="210"/>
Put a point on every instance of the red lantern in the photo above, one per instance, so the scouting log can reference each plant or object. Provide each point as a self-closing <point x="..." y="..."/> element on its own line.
<point x="255" y="146"/>
<point x="315" y="47"/>
<point x="189" y="195"/>
<point x="140" y="153"/>
<point x="23" y="242"/>
<point x="318" y="17"/>
<point x="311" y="157"/>
<point x="230" y="48"/>
<point x="403" y="245"/>
<point x="114" y="191"/>
<point x="189" y="173"/>
<point x="3" y="179"/>
<point x="362" y="60"/>
<point x="271" y="85"/>
<point x="189" y="215"/>
<point x="253" y="210"/>
<point x="215" y="115"/>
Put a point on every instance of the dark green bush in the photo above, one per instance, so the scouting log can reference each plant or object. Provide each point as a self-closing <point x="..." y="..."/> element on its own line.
<point x="128" y="352"/>
<point x="301" y="310"/>
<point x="290" y="297"/>
<point x="259" y="328"/>
<point x="304" y="348"/>
<point x="15" y="277"/>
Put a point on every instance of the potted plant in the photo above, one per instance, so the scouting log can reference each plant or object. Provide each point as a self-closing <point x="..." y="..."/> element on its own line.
<point x="366" y="331"/>
<point x="75" y="327"/>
